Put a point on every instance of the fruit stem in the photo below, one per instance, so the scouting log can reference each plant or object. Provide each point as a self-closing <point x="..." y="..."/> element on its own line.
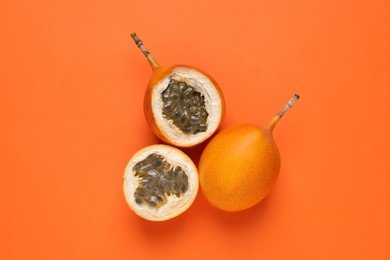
<point x="271" y="124"/>
<point x="153" y="63"/>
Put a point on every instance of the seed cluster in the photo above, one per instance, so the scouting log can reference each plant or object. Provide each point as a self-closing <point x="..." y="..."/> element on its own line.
<point x="158" y="180"/>
<point x="185" y="107"/>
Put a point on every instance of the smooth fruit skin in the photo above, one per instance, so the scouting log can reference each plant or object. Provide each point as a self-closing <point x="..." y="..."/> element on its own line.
<point x="238" y="167"/>
<point x="158" y="74"/>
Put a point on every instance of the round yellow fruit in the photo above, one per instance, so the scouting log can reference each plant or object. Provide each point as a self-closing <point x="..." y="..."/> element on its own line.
<point x="238" y="167"/>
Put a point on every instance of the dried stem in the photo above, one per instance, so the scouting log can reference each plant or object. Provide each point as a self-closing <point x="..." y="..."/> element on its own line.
<point x="153" y="63"/>
<point x="271" y="124"/>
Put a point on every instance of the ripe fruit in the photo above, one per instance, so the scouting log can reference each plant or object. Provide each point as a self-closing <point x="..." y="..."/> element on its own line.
<point x="239" y="166"/>
<point x="160" y="182"/>
<point x="183" y="105"/>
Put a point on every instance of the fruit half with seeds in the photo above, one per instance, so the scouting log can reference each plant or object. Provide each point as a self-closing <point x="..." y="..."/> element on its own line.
<point x="183" y="105"/>
<point x="160" y="182"/>
<point x="239" y="166"/>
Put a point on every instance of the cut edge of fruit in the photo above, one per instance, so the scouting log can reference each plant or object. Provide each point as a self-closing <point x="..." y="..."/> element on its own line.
<point x="175" y="205"/>
<point x="213" y="104"/>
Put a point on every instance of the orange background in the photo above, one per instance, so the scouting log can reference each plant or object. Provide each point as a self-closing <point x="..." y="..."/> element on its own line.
<point x="72" y="84"/>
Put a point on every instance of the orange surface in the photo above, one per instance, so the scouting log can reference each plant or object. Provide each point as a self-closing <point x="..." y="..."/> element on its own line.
<point x="72" y="84"/>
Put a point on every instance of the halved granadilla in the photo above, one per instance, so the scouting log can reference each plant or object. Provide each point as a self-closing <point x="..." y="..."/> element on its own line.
<point x="183" y="105"/>
<point x="160" y="182"/>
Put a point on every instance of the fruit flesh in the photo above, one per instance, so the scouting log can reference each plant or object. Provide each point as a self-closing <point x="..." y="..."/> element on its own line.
<point x="154" y="105"/>
<point x="174" y="205"/>
<point x="185" y="107"/>
<point x="158" y="180"/>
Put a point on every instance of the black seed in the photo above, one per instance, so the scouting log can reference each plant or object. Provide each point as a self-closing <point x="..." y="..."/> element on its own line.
<point x="193" y="109"/>
<point x="202" y="127"/>
<point x="166" y="94"/>
<point x="194" y="119"/>
<point x="144" y="167"/>
<point x="169" y="174"/>
<point x="152" y="173"/>
<point x="183" y="119"/>
<point x="153" y="203"/>
<point x="157" y="163"/>
<point x="157" y="180"/>
<point x="139" y="193"/>
<point x="177" y="116"/>
<point x="161" y="188"/>
<point x="168" y="106"/>
<point x="182" y="86"/>
<point x="183" y="188"/>
<point x="181" y="102"/>
<point x="189" y="91"/>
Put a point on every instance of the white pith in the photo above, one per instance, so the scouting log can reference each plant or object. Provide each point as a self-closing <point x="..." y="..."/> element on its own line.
<point x="205" y="87"/>
<point x="174" y="206"/>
